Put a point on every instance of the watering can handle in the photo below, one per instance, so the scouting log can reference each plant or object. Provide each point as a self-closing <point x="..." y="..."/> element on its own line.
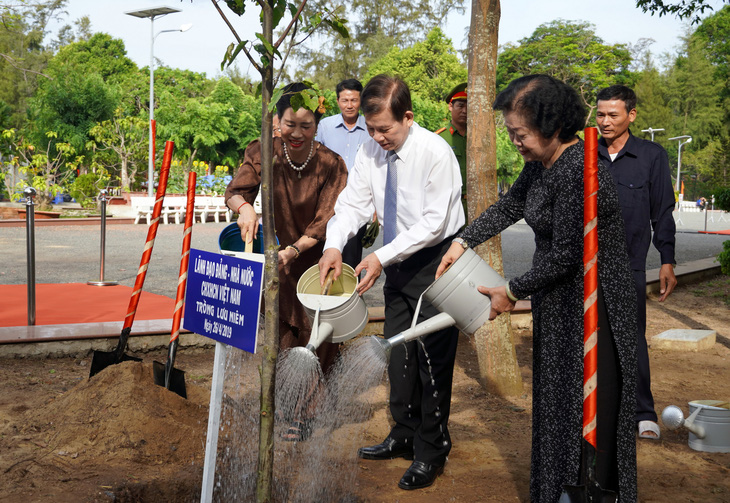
<point x="249" y="244"/>
<point x="328" y="282"/>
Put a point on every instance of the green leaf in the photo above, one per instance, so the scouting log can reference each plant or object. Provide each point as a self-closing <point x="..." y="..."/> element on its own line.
<point x="279" y="9"/>
<point x="237" y="6"/>
<point x="275" y="97"/>
<point x="338" y="26"/>
<point x="232" y="55"/>
<point x="270" y="49"/>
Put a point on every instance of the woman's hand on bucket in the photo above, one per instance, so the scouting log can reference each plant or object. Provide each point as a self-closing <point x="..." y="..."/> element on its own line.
<point x="374" y="268"/>
<point x="454" y="252"/>
<point x="499" y="300"/>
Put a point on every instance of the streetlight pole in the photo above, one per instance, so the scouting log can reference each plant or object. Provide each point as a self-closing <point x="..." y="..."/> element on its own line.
<point x="687" y="139"/>
<point x="651" y="131"/>
<point x="152" y="14"/>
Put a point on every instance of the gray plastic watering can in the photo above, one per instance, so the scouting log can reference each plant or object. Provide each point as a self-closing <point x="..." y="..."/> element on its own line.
<point x="455" y="294"/>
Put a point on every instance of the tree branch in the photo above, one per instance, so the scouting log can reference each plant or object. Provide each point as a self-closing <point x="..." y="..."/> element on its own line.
<point x="225" y="19"/>
<point x="24" y="70"/>
<point x="294" y="19"/>
<point x="235" y="34"/>
<point x="286" y="55"/>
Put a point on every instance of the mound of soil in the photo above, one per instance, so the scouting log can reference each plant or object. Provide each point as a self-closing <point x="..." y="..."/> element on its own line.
<point x="119" y="437"/>
<point x="115" y="427"/>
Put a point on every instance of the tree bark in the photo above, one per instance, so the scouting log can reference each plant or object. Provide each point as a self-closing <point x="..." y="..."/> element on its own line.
<point x="264" y="479"/>
<point x="495" y="349"/>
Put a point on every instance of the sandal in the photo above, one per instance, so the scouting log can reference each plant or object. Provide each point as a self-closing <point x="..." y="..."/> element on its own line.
<point x="298" y="431"/>
<point x="649" y="429"/>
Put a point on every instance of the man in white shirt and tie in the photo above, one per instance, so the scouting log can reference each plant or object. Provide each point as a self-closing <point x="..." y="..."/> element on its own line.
<point x="411" y="178"/>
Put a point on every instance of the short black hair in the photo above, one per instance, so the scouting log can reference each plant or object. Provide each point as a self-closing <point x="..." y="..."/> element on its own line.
<point x="348" y="85"/>
<point x="618" y="92"/>
<point x="548" y="104"/>
<point x="385" y="91"/>
<point x="285" y="100"/>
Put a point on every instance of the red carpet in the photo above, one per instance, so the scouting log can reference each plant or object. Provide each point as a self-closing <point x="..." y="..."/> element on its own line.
<point x="78" y="303"/>
<point x="726" y="231"/>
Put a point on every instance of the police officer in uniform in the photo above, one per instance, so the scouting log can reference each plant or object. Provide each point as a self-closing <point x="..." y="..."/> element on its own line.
<point x="455" y="133"/>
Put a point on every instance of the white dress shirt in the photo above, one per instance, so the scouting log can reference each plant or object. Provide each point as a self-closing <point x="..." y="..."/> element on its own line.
<point x="429" y="195"/>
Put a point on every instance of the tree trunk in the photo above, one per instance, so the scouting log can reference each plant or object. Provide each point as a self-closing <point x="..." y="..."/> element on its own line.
<point x="125" y="172"/>
<point x="264" y="479"/>
<point x="495" y="349"/>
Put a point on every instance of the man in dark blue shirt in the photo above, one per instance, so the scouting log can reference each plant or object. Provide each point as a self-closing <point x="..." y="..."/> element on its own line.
<point x="640" y="169"/>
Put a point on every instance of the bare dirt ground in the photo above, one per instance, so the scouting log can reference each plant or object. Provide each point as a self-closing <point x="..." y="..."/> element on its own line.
<point x="118" y="437"/>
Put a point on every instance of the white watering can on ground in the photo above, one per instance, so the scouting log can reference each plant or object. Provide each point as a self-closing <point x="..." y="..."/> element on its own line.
<point x="708" y="424"/>
<point x="455" y="294"/>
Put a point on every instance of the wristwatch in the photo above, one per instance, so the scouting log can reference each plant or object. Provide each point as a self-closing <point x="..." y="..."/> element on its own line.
<point x="463" y="243"/>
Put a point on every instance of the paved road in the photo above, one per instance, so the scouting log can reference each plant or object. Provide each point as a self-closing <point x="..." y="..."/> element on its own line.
<point x="70" y="254"/>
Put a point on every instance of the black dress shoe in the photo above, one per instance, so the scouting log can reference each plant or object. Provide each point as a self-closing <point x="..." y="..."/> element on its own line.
<point x="420" y="475"/>
<point x="389" y="449"/>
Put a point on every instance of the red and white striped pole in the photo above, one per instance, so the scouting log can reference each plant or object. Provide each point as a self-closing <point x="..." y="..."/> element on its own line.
<point x="590" y="285"/>
<point x="151" y="234"/>
<point x="181" y="281"/>
<point x="187" y="240"/>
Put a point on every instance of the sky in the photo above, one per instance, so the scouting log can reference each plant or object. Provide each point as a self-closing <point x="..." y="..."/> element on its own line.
<point x="202" y="47"/>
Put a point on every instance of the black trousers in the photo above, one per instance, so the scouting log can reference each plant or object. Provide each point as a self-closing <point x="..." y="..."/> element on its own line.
<point x="644" y="397"/>
<point x="420" y="373"/>
<point x="352" y="252"/>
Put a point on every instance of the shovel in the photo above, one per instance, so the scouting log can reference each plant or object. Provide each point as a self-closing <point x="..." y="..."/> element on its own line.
<point x="102" y="359"/>
<point x="166" y="374"/>
<point x="589" y="491"/>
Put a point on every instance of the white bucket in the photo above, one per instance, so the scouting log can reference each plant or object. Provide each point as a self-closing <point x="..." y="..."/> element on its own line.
<point x="455" y="292"/>
<point x="714" y="417"/>
<point x="342" y="311"/>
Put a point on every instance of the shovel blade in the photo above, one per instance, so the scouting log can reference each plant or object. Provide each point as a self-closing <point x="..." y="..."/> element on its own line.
<point x="173" y="379"/>
<point x="103" y="359"/>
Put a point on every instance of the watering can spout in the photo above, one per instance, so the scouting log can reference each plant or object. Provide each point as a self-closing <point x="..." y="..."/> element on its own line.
<point x="673" y="418"/>
<point x="320" y="333"/>
<point x="438" y="322"/>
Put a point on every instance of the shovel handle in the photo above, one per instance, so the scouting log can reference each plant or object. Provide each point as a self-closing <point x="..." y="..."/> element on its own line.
<point x="328" y="280"/>
<point x="151" y="234"/>
<point x="184" y="258"/>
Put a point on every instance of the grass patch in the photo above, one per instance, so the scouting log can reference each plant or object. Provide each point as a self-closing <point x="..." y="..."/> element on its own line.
<point x="717" y="288"/>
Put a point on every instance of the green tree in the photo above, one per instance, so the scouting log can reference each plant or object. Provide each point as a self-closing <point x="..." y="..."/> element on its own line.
<point x="428" y="113"/>
<point x="653" y="94"/>
<point x="430" y="68"/>
<point x="71" y="105"/>
<point x="376" y="27"/>
<point x="699" y="98"/>
<point x="85" y="89"/>
<point x="509" y="160"/>
<point x="691" y="9"/>
<point x="23" y="55"/>
<point x="569" y="51"/>
<point x="120" y="145"/>
<point x="100" y="54"/>
<point x="48" y="167"/>
<point x="242" y="112"/>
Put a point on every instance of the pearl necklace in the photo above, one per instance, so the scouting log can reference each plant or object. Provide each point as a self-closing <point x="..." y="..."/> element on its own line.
<point x="300" y="168"/>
